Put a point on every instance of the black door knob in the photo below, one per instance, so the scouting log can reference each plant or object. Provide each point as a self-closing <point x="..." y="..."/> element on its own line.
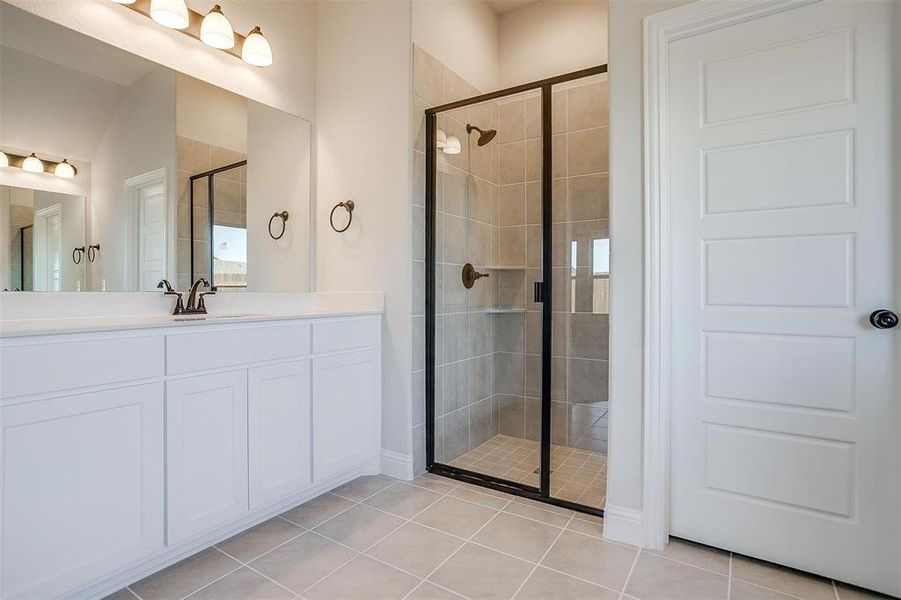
<point x="883" y="319"/>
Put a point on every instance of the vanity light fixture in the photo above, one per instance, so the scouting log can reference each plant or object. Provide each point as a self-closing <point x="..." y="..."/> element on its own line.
<point x="33" y="164"/>
<point x="452" y="145"/>
<point x="170" y="13"/>
<point x="213" y="29"/>
<point x="216" y="30"/>
<point x="256" y="49"/>
<point x="65" y="170"/>
<point x="4" y="160"/>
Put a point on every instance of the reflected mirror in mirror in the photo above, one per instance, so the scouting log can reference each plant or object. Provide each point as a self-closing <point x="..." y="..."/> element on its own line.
<point x="42" y="240"/>
<point x="176" y="178"/>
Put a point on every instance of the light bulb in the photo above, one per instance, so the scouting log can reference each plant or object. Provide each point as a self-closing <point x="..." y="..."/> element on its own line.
<point x="4" y="160"/>
<point x="64" y="170"/>
<point x="33" y="164"/>
<point x="216" y="31"/>
<point x="452" y="146"/>
<point x="440" y="139"/>
<point x="256" y="50"/>
<point x="170" y="13"/>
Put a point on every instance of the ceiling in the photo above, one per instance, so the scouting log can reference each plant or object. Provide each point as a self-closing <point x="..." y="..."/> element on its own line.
<point x="504" y="6"/>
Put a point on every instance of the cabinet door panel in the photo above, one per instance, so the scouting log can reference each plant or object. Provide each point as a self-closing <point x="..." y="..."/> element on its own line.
<point x="82" y="487"/>
<point x="206" y="432"/>
<point x="279" y="431"/>
<point x="346" y="395"/>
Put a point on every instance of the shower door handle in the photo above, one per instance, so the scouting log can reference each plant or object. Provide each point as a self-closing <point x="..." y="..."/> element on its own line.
<point x="539" y="292"/>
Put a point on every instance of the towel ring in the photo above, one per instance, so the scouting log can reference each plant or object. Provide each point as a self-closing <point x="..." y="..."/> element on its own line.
<point x="284" y="217"/>
<point x="349" y="207"/>
<point x="92" y="252"/>
<point x="77" y="255"/>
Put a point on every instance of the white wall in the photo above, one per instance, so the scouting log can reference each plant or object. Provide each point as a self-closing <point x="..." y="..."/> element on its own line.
<point x="278" y="179"/>
<point x="290" y="27"/>
<point x="463" y="35"/>
<point x="624" y="474"/>
<point x="363" y="135"/>
<point x="139" y="138"/>
<point x="550" y="38"/>
<point x="210" y="114"/>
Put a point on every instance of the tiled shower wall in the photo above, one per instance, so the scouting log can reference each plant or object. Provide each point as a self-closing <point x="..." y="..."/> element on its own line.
<point x="579" y="282"/>
<point x="489" y="213"/>
<point x="230" y="203"/>
<point x="466" y="192"/>
<point x="20" y="216"/>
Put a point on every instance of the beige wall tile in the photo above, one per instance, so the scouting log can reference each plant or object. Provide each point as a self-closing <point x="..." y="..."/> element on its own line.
<point x="512" y="163"/>
<point x="428" y="77"/>
<point x="512" y="204"/>
<point x="533" y="117"/>
<point x="480" y="199"/>
<point x="192" y="155"/>
<point x="533" y="160"/>
<point x="512" y="249"/>
<point x="512" y="121"/>
<point x="587" y="106"/>
<point x="587" y="151"/>
<point x="589" y="197"/>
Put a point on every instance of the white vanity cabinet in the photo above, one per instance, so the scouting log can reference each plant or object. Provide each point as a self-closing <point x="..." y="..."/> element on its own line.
<point x="206" y="452"/>
<point x="113" y="471"/>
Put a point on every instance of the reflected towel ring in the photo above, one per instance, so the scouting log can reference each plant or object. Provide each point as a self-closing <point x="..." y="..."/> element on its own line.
<point x="92" y="252"/>
<point x="284" y="217"/>
<point x="78" y="255"/>
<point x="349" y="207"/>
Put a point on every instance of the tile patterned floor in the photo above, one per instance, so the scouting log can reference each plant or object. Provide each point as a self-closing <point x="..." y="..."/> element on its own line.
<point x="435" y="538"/>
<point x="576" y="475"/>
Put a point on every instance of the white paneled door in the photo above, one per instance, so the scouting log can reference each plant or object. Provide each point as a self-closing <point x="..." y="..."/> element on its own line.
<point x="785" y="415"/>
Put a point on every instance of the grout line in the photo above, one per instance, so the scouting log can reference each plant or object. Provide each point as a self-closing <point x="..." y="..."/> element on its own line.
<point x="622" y="592"/>
<point x="729" y="587"/>
<point x="543" y="556"/>
<point x="133" y="593"/>
<point x="835" y="590"/>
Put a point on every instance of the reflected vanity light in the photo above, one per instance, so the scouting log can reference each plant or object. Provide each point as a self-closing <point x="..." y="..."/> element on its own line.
<point x="440" y="139"/>
<point x="170" y="13"/>
<point x="452" y="145"/>
<point x="33" y="164"/>
<point x="213" y="29"/>
<point x="216" y="30"/>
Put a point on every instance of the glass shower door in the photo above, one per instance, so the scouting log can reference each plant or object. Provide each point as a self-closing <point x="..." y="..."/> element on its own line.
<point x="487" y="256"/>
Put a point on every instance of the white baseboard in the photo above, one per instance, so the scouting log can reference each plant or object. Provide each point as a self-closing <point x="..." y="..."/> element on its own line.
<point x="397" y="465"/>
<point x="624" y="525"/>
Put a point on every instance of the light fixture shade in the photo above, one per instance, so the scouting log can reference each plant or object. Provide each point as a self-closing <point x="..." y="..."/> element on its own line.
<point x="64" y="170"/>
<point x="170" y="13"/>
<point x="4" y="160"/>
<point x="256" y="50"/>
<point x="124" y="1"/>
<point x="33" y="164"/>
<point x="440" y="139"/>
<point x="216" y="31"/>
<point x="452" y="146"/>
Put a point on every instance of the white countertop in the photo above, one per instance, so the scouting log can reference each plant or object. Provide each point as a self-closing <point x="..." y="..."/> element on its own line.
<point x="243" y="308"/>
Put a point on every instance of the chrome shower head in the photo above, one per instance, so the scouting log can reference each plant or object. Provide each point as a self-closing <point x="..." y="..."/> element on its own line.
<point x="485" y="136"/>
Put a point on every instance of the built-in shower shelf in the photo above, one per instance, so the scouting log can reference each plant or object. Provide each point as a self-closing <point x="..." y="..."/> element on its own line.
<point x="505" y="311"/>
<point x="505" y="268"/>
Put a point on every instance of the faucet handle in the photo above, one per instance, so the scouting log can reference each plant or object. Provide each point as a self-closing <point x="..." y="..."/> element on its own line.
<point x="201" y="306"/>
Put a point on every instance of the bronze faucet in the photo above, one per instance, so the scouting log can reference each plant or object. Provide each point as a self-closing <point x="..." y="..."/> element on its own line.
<point x="195" y="305"/>
<point x="195" y="301"/>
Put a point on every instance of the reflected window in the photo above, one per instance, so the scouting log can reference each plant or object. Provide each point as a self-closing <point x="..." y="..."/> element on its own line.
<point x="229" y="256"/>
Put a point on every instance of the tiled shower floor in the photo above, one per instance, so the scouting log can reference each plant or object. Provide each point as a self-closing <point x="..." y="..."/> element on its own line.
<point x="576" y="475"/>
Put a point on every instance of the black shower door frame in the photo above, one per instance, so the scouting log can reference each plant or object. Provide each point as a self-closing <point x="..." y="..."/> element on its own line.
<point x="543" y="292"/>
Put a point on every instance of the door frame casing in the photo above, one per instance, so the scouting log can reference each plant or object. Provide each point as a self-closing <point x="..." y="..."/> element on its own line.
<point x="661" y="30"/>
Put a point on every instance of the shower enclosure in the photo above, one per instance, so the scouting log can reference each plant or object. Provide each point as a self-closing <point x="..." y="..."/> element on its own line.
<point x="517" y="267"/>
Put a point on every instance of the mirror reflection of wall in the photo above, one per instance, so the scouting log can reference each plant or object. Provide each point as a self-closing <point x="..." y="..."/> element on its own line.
<point x="144" y="140"/>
